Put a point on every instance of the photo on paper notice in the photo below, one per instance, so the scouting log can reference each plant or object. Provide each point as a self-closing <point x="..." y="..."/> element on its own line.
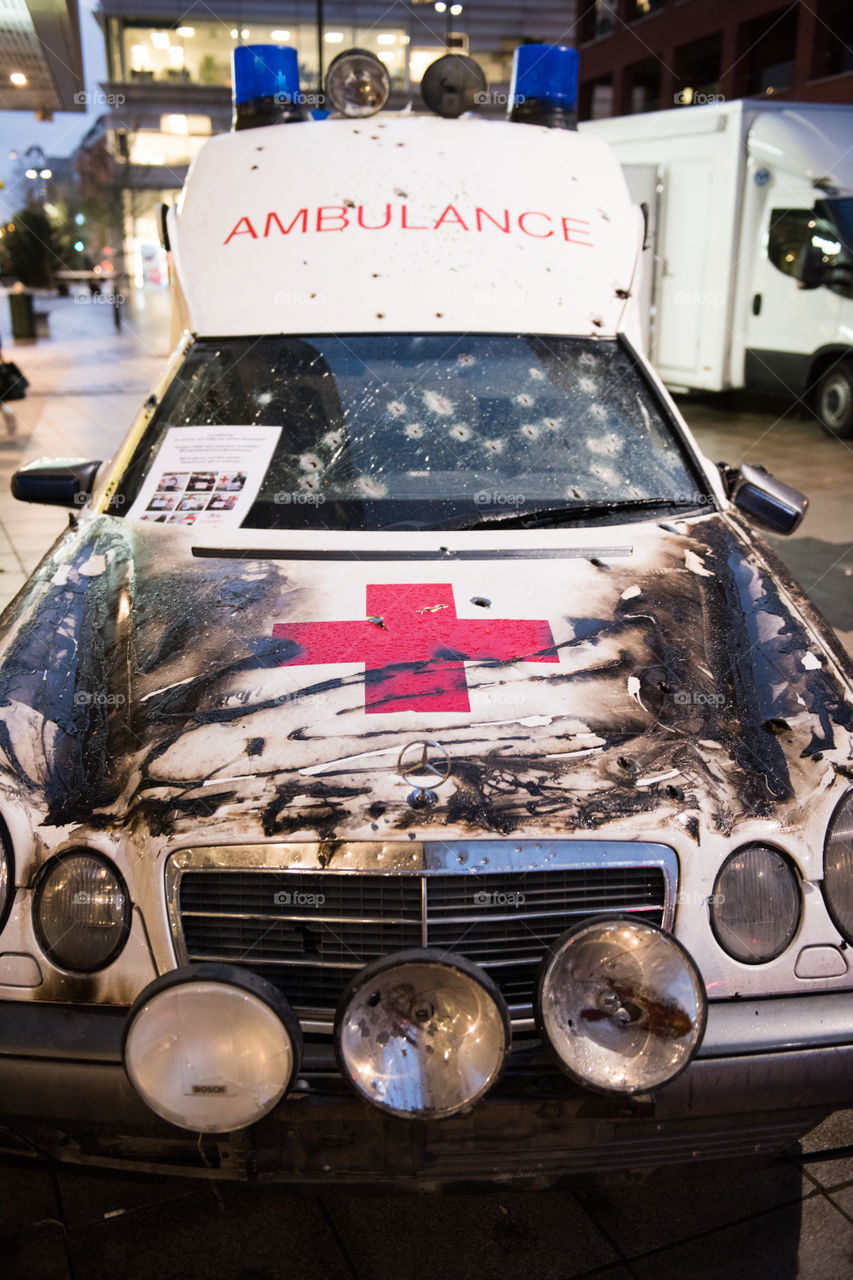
<point x="207" y="475"/>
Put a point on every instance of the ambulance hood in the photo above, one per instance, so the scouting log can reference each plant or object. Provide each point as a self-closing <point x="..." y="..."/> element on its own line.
<point x="617" y="681"/>
<point x="405" y="224"/>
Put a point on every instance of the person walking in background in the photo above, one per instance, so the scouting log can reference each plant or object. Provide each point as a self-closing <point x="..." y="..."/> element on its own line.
<point x="13" y="386"/>
<point x="93" y="282"/>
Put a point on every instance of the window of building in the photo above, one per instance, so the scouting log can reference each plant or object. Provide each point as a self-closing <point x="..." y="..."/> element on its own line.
<point x="642" y="8"/>
<point x="419" y="60"/>
<point x="188" y="126"/>
<point x="595" y="99"/>
<point x="598" y="19"/>
<point x="199" y="52"/>
<point x="145" y="253"/>
<point x="697" y="71"/>
<point x="833" y="46"/>
<point x="152" y="148"/>
<point x="643" y="86"/>
<point x="766" y="49"/>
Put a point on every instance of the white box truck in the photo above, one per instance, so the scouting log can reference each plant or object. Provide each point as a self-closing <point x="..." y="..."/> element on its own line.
<point x="750" y="247"/>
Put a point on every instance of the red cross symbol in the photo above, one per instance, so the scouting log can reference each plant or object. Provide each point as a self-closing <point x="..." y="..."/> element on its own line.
<point x="413" y="646"/>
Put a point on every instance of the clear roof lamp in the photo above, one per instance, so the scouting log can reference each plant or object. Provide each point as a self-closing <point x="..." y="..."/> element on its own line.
<point x="357" y="83"/>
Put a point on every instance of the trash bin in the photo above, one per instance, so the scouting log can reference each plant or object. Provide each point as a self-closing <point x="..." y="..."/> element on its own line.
<point x="21" y="312"/>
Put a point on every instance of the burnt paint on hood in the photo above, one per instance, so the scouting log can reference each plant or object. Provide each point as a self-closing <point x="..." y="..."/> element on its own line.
<point x="141" y="688"/>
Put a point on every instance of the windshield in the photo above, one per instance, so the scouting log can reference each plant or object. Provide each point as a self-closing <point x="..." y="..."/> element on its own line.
<point x="840" y="213"/>
<point x="401" y="431"/>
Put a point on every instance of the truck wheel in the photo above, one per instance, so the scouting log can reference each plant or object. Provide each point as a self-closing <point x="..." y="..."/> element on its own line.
<point x="834" y="400"/>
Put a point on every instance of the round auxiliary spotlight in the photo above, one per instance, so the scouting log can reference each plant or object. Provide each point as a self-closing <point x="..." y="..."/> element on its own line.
<point x="211" y="1048"/>
<point x="422" y="1033"/>
<point x="452" y="84"/>
<point x="357" y="83"/>
<point x="621" y="1004"/>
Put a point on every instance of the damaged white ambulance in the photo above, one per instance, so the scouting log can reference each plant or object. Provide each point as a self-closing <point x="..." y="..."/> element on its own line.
<point x="414" y="765"/>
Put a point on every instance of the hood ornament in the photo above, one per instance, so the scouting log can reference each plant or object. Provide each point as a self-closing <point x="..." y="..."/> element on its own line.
<point x="426" y="765"/>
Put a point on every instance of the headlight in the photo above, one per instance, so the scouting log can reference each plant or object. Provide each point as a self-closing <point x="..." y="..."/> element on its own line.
<point x="621" y="1004"/>
<point x="422" y="1033"/>
<point x="755" y="910"/>
<point x="838" y="867"/>
<point x="7" y="876"/>
<point x="81" y="912"/>
<point x="211" y="1048"/>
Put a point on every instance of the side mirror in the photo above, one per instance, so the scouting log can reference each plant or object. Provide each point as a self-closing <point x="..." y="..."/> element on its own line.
<point x="766" y="500"/>
<point x="61" y="482"/>
<point x="812" y="271"/>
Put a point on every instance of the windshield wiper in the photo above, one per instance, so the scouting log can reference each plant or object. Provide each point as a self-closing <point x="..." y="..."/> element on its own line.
<point x="547" y="515"/>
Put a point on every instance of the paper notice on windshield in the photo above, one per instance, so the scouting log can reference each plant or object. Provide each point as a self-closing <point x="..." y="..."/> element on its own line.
<point x="206" y="475"/>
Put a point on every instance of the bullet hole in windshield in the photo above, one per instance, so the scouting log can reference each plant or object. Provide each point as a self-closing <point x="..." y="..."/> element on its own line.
<point x="419" y="431"/>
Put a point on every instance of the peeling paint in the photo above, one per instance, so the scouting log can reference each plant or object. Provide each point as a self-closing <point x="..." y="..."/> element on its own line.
<point x="174" y="718"/>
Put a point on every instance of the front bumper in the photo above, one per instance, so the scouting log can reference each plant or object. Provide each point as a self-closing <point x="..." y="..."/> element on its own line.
<point x="767" y="1072"/>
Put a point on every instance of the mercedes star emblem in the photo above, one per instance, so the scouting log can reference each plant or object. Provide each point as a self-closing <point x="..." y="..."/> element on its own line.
<point x="426" y="765"/>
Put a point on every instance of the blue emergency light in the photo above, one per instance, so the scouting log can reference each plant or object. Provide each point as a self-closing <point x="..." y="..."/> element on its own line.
<point x="265" y="79"/>
<point x="544" y="87"/>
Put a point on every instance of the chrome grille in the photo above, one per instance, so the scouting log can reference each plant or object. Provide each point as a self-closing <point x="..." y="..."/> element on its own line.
<point x="308" y="930"/>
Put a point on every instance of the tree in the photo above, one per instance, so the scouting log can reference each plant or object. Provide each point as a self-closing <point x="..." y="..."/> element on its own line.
<point x="28" y="250"/>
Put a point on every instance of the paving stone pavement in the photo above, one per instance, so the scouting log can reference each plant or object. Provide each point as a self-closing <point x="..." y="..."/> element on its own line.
<point x="762" y="1219"/>
<point x="745" y="1220"/>
<point x="86" y="385"/>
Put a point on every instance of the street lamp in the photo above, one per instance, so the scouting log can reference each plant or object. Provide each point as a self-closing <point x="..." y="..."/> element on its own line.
<point x="37" y="171"/>
<point x="448" y="10"/>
